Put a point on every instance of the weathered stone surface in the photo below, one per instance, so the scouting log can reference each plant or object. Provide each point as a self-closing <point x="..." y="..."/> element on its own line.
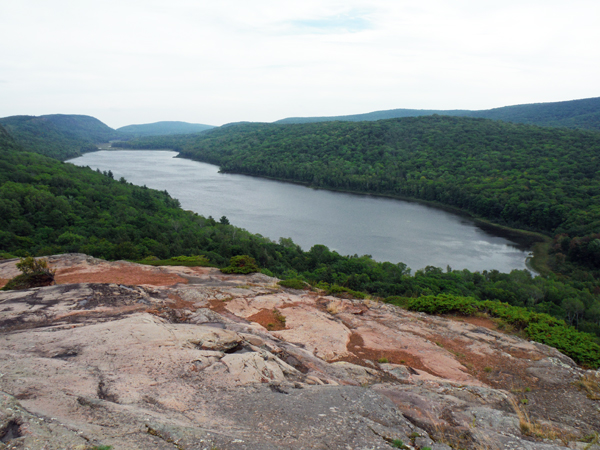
<point x="181" y="358"/>
<point x="209" y="338"/>
<point x="19" y="429"/>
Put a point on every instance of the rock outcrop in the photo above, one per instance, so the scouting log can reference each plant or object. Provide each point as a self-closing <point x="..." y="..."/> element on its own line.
<point x="140" y="357"/>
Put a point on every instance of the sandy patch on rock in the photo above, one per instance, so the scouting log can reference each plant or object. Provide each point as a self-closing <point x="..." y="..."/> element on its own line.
<point x="268" y="319"/>
<point x="121" y="275"/>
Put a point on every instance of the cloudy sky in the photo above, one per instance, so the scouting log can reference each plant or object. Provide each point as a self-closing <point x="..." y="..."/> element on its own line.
<point x="214" y="62"/>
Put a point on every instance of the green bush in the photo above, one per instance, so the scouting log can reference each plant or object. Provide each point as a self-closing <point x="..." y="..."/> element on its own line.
<point x="343" y="292"/>
<point x="243" y="264"/>
<point x="267" y="272"/>
<point x="293" y="283"/>
<point x="188" y="261"/>
<point x="397" y="300"/>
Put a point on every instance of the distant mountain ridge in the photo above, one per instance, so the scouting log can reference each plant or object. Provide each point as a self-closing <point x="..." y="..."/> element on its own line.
<point x="65" y="136"/>
<point x="163" y="128"/>
<point x="581" y="114"/>
<point x="375" y="115"/>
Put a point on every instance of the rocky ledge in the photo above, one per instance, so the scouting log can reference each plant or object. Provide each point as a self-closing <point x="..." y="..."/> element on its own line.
<point x="140" y="357"/>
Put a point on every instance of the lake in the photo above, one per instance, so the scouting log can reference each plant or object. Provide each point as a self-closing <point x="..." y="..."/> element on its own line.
<point x="387" y="229"/>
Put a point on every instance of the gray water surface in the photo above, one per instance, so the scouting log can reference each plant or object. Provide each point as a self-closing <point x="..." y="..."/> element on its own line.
<point x="387" y="229"/>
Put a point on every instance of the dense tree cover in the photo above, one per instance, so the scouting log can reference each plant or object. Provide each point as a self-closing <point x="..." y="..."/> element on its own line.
<point x="49" y="207"/>
<point x="583" y="114"/>
<point x="81" y="127"/>
<point x="60" y="136"/>
<point x="65" y="136"/>
<point x="163" y="128"/>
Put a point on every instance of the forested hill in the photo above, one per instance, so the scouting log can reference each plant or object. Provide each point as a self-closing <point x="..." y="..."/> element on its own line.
<point x="541" y="179"/>
<point x="580" y="114"/>
<point x="60" y="136"/>
<point x="163" y="128"/>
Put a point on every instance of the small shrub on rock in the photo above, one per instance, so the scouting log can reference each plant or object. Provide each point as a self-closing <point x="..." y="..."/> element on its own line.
<point x="294" y="283"/>
<point x="35" y="273"/>
<point x="242" y="264"/>
<point x="343" y="292"/>
<point x="188" y="261"/>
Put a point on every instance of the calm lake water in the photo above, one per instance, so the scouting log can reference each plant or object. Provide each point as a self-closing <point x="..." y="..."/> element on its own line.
<point x="387" y="229"/>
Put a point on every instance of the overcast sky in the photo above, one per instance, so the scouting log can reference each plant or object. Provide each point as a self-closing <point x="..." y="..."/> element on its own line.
<point x="213" y="62"/>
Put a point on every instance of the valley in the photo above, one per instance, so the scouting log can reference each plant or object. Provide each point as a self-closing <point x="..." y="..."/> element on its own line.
<point x="144" y="340"/>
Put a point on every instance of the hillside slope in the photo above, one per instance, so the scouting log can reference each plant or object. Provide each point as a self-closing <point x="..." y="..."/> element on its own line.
<point x="60" y="136"/>
<point x="579" y="114"/>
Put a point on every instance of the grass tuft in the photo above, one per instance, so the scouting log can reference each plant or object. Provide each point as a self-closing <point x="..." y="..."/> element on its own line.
<point x="590" y="384"/>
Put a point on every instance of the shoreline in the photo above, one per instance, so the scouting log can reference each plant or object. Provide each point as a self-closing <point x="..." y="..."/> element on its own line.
<point x="536" y="243"/>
